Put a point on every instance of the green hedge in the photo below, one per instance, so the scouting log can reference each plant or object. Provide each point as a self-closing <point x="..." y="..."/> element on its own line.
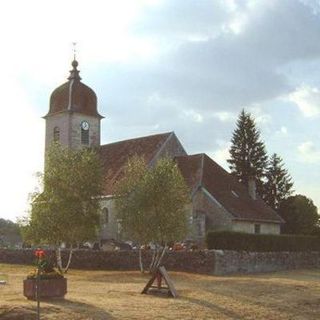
<point x="228" y="240"/>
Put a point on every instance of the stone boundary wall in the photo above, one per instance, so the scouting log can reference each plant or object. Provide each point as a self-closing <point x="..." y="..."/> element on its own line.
<point x="215" y="262"/>
<point x="232" y="262"/>
<point x="187" y="261"/>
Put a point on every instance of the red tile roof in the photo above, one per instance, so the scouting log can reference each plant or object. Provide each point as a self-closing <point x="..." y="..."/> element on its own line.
<point x="114" y="156"/>
<point x="200" y="170"/>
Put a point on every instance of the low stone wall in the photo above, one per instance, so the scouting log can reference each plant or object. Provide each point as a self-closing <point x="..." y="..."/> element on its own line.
<point x="216" y="262"/>
<point x="231" y="262"/>
<point x="197" y="261"/>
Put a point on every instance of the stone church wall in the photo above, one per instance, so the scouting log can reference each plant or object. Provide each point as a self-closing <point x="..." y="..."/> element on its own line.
<point x="216" y="218"/>
<point x="109" y="229"/>
<point x="94" y="130"/>
<point x="215" y="262"/>
<point x="62" y="121"/>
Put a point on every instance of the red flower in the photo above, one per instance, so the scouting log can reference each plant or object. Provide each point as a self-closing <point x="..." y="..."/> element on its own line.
<point x="39" y="253"/>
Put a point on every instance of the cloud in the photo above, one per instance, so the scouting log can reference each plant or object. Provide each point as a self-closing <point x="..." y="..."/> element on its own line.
<point x="308" y="152"/>
<point x="307" y="99"/>
<point x="221" y="154"/>
<point x="225" y="116"/>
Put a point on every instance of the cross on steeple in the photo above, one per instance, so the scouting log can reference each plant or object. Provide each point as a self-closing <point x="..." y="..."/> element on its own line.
<point x="74" y="44"/>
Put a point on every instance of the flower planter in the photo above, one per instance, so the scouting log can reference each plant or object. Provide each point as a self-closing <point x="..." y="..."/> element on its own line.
<point x="48" y="288"/>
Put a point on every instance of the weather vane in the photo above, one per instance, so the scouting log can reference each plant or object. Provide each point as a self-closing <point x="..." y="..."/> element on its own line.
<point x="74" y="50"/>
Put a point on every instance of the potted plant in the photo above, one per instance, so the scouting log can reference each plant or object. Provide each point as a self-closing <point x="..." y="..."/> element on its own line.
<point x="44" y="282"/>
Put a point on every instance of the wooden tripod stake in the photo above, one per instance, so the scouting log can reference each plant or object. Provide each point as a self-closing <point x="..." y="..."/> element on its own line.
<point x="161" y="273"/>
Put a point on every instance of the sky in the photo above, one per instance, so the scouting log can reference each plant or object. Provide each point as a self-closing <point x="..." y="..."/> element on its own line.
<point x="188" y="66"/>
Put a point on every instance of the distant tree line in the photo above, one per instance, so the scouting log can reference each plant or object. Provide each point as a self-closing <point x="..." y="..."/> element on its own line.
<point x="9" y="233"/>
<point x="249" y="160"/>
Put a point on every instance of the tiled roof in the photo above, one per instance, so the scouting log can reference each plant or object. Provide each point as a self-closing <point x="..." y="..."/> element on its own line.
<point x="74" y="96"/>
<point x="114" y="156"/>
<point x="200" y="170"/>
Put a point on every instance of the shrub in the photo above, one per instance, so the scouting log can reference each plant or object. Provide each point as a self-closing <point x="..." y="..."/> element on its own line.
<point x="228" y="240"/>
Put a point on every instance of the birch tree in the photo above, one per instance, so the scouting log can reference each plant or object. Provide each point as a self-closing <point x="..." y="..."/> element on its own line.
<point x="152" y="204"/>
<point x="67" y="209"/>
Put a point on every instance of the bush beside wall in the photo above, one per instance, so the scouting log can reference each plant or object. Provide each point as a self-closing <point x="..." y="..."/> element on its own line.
<point x="227" y="240"/>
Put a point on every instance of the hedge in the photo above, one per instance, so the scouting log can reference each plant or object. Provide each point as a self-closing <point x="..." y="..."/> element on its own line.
<point x="228" y="240"/>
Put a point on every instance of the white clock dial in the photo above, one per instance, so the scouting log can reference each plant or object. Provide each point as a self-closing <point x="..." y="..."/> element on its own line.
<point x="85" y="125"/>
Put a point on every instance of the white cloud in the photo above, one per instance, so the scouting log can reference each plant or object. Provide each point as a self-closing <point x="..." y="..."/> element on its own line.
<point x="225" y="116"/>
<point x="308" y="152"/>
<point x="193" y="115"/>
<point x="221" y="154"/>
<point x="283" y="131"/>
<point x="307" y="99"/>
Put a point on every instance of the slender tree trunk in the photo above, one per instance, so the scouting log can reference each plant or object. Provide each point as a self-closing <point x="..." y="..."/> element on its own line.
<point x="153" y="259"/>
<point x="59" y="260"/>
<point x="58" y="257"/>
<point x="164" y="250"/>
<point x="69" y="260"/>
<point x="140" y="260"/>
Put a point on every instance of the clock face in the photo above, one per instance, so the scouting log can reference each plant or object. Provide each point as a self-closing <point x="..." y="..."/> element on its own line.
<point x="85" y="125"/>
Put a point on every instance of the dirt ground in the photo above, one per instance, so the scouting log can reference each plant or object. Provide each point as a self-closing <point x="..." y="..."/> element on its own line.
<point x="116" y="295"/>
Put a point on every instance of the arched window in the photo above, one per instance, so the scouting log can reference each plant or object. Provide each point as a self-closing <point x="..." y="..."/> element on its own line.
<point x="105" y="215"/>
<point x="84" y="136"/>
<point x="56" y="134"/>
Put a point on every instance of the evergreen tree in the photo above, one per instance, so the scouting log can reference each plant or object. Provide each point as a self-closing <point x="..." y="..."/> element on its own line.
<point x="248" y="156"/>
<point x="278" y="184"/>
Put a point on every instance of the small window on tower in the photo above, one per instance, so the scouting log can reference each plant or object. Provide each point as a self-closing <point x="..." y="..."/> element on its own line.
<point x="84" y="136"/>
<point x="56" y="134"/>
<point x="105" y="215"/>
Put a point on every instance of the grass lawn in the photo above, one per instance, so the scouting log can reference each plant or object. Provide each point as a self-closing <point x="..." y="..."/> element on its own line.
<point x="116" y="295"/>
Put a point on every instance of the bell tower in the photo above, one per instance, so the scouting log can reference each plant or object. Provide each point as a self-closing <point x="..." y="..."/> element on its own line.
<point x="73" y="119"/>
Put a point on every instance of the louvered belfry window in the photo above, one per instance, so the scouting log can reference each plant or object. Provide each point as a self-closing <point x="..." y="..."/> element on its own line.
<point x="56" y="134"/>
<point x="105" y="215"/>
<point x="84" y="136"/>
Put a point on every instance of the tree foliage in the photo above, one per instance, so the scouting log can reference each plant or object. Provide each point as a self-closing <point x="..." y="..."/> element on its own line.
<point x="248" y="157"/>
<point x="9" y="233"/>
<point x="278" y="185"/>
<point x="66" y="211"/>
<point x="300" y="214"/>
<point x="152" y="202"/>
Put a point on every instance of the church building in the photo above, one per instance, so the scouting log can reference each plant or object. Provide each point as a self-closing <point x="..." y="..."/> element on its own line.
<point x="219" y="201"/>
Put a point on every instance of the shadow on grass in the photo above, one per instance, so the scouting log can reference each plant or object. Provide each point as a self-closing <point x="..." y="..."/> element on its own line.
<point x="55" y="309"/>
<point x="213" y="307"/>
<point x="120" y="277"/>
<point x="81" y="308"/>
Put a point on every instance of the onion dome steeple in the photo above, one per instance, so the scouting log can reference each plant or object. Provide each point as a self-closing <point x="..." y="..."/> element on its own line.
<point x="74" y="96"/>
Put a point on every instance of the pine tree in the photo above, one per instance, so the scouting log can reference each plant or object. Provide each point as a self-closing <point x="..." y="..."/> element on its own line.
<point x="248" y="156"/>
<point x="278" y="186"/>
